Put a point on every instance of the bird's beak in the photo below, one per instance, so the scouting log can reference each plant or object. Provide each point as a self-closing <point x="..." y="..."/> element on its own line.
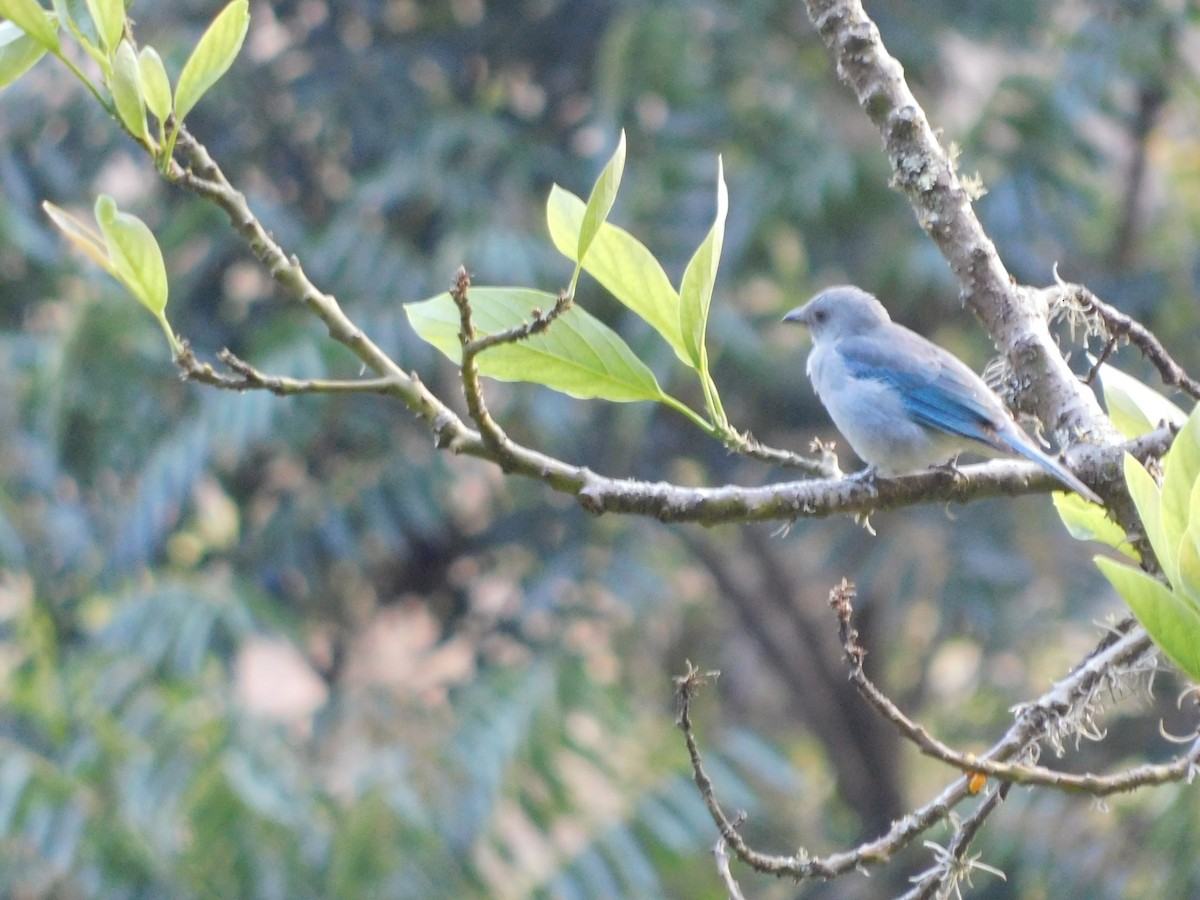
<point x="797" y="316"/>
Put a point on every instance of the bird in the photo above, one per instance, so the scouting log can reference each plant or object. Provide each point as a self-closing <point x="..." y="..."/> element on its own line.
<point x="903" y="403"/>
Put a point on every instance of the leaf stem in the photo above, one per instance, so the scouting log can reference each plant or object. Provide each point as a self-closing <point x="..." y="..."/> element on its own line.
<point x="87" y="82"/>
<point x="679" y="406"/>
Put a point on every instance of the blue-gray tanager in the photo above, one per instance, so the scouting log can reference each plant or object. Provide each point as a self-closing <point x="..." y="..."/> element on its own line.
<point x="903" y="403"/>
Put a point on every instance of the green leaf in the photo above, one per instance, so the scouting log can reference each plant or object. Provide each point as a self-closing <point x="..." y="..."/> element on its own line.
<point x="134" y="253"/>
<point x="81" y="235"/>
<point x="83" y="29"/>
<point x="695" y="293"/>
<point x="1148" y="500"/>
<point x="30" y="17"/>
<point x="214" y="54"/>
<point x="109" y="19"/>
<point x="74" y="12"/>
<point x="156" y="87"/>
<point x="1086" y="521"/>
<point x="1194" y="514"/>
<point x="126" y="86"/>
<point x="1173" y="624"/>
<point x="1188" y="586"/>
<point x="577" y="355"/>
<point x="600" y="203"/>
<point x="18" y="53"/>
<point x="127" y="250"/>
<point x="622" y="265"/>
<point x="1181" y="471"/>
<point x="1134" y="408"/>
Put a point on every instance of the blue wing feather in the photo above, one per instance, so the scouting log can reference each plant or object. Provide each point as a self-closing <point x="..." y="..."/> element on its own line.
<point x="938" y="390"/>
<point x="941" y="393"/>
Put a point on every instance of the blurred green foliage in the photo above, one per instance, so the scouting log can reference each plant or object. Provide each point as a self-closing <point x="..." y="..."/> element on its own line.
<point x="263" y="647"/>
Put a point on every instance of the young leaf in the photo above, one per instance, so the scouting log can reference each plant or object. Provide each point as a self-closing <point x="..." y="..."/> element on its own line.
<point x="622" y="265"/>
<point x="214" y="54"/>
<point x="695" y="293"/>
<point x="1181" y="471"/>
<point x="30" y="17"/>
<point x="1088" y="522"/>
<point x="1148" y="500"/>
<point x="600" y="203"/>
<point x="577" y="355"/>
<point x="125" y="249"/>
<point x="126" y="86"/>
<point x="1134" y="408"/>
<point x="1194" y="515"/>
<point x="69" y="11"/>
<point x="1188" y="586"/>
<point x="18" y="53"/>
<point x="83" y="29"/>
<point x="109" y="19"/>
<point x="1173" y="624"/>
<point x="81" y="235"/>
<point x="156" y="87"/>
<point x="135" y="255"/>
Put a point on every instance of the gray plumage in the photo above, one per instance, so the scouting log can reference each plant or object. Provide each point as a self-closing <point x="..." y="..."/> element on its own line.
<point x="901" y="401"/>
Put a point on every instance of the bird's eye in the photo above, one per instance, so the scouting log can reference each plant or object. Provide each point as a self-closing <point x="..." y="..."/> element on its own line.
<point x="820" y="316"/>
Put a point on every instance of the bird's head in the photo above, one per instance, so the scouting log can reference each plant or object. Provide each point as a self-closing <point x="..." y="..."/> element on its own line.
<point x="838" y="312"/>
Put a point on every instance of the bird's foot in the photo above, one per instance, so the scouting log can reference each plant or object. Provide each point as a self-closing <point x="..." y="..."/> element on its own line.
<point x="951" y="466"/>
<point x="869" y="475"/>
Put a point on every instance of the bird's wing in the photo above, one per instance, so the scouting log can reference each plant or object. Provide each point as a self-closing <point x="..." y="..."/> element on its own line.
<point x="938" y="390"/>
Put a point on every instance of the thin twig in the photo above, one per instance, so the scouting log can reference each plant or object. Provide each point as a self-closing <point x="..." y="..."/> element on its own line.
<point x="826" y="466"/>
<point x="473" y="345"/>
<point x="538" y="322"/>
<point x="951" y="863"/>
<point x="1102" y="357"/>
<point x="493" y="435"/>
<point x="1121" y="326"/>
<point x="799" y="866"/>
<point x="802" y="865"/>
<point x="247" y="378"/>
<point x="721" y="855"/>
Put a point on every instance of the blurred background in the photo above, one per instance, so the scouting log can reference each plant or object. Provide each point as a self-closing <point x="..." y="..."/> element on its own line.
<point x="284" y="648"/>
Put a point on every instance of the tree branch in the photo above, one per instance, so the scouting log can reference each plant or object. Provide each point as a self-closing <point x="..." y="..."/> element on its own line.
<point x="1122" y="327"/>
<point x="802" y="865"/>
<point x="951" y="863"/>
<point x="247" y="378"/>
<point x="1060" y="712"/>
<point x="504" y="448"/>
<point x="1178" y="769"/>
<point x="721" y="855"/>
<point x="854" y="495"/>
<point x="597" y="493"/>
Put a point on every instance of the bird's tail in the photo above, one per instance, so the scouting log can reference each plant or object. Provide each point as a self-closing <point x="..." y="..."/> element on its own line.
<point x="1033" y="453"/>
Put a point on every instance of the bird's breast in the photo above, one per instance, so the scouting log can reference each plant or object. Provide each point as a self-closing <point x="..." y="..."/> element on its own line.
<point x="872" y="417"/>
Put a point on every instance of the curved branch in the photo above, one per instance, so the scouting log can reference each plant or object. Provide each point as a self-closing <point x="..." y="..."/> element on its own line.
<point x="1079" y="711"/>
<point x="803" y="865"/>
<point x="1047" y="719"/>
<point x="1120" y="326"/>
